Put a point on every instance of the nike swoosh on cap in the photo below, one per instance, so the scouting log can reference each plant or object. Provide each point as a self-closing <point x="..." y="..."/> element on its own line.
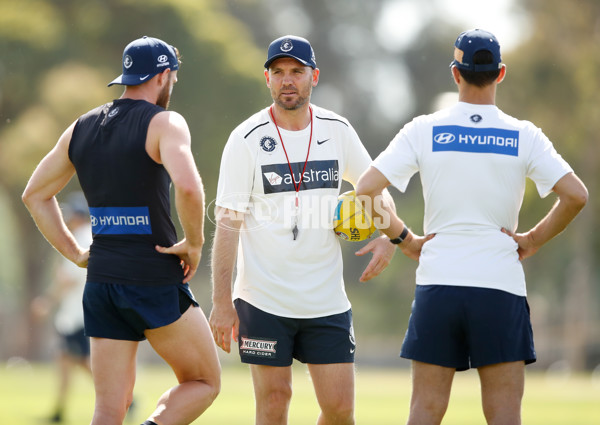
<point x="143" y="78"/>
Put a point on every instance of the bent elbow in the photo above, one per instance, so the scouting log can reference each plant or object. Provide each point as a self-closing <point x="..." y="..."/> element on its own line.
<point x="582" y="198"/>
<point x="27" y="197"/>
<point x="364" y="188"/>
<point x="577" y="199"/>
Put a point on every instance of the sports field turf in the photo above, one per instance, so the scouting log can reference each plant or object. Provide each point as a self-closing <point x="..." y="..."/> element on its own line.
<point x="382" y="397"/>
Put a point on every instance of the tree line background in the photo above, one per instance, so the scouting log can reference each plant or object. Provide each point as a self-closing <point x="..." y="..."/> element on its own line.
<point x="56" y="58"/>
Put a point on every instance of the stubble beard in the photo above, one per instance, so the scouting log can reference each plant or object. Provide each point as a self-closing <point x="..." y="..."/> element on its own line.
<point x="164" y="97"/>
<point x="300" y="102"/>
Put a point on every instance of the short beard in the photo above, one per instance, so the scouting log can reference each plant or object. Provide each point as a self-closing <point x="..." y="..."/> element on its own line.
<point x="164" y="97"/>
<point x="292" y="107"/>
<point x="301" y="102"/>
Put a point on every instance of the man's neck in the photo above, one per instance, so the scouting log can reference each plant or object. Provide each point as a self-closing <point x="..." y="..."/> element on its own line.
<point x="293" y="120"/>
<point x="477" y="95"/>
<point x="135" y="93"/>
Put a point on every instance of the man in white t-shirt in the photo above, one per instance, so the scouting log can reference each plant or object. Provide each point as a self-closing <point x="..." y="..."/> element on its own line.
<point x="470" y="307"/>
<point x="66" y="293"/>
<point x="280" y="177"/>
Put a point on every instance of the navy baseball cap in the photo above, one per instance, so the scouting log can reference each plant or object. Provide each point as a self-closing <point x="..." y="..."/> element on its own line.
<point x="143" y="59"/>
<point x="470" y="42"/>
<point x="291" y="46"/>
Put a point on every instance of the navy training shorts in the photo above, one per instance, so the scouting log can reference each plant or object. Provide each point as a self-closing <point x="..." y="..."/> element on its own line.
<point x="267" y="339"/>
<point x="462" y="327"/>
<point x="124" y="312"/>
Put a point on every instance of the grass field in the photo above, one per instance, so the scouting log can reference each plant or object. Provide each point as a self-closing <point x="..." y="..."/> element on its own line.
<point x="382" y="397"/>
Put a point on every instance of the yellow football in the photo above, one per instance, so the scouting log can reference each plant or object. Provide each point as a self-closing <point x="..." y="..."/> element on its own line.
<point x="350" y="221"/>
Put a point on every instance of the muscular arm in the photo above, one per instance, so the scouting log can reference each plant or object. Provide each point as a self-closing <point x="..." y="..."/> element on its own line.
<point x="50" y="177"/>
<point x="223" y="320"/>
<point x="572" y="197"/>
<point x="169" y="143"/>
<point x="371" y="185"/>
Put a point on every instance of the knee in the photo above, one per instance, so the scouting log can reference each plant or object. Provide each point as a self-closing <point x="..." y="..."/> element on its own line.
<point x="214" y="385"/>
<point x="276" y="399"/>
<point x="428" y="409"/>
<point x="339" y="411"/>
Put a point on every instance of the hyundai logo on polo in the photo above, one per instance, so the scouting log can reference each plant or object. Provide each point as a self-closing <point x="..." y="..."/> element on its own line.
<point x="444" y="138"/>
<point x="475" y="140"/>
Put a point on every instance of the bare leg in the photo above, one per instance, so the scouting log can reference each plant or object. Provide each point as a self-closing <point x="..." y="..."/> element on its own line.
<point x="273" y="392"/>
<point x="431" y="385"/>
<point x="188" y="347"/>
<point x="334" y="387"/>
<point x="113" y="366"/>
<point x="502" y="388"/>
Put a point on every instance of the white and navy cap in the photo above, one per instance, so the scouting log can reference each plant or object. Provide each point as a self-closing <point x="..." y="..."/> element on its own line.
<point x="143" y="59"/>
<point x="470" y="42"/>
<point x="291" y="46"/>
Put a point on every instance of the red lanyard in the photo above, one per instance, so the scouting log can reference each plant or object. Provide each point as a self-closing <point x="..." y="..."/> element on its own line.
<point x="296" y="186"/>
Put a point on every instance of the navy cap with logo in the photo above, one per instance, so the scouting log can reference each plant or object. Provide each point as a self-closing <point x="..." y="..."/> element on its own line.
<point x="291" y="46"/>
<point x="143" y="59"/>
<point x="470" y="42"/>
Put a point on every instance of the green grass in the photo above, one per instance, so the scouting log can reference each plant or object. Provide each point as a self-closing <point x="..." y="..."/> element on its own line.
<point x="382" y="397"/>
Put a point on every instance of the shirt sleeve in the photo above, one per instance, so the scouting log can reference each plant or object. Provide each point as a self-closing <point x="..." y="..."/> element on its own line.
<point x="357" y="158"/>
<point x="545" y="166"/>
<point x="236" y="175"/>
<point x="399" y="161"/>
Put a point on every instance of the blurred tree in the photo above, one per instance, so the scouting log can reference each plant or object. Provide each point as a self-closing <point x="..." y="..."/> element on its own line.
<point x="552" y="80"/>
<point x="57" y="59"/>
<point x="58" y="56"/>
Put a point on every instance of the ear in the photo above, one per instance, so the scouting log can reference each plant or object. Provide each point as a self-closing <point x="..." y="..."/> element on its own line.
<point x="502" y="74"/>
<point x="163" y="77"/>
<point x="455" y="74"/>
<point x="267" y="78"/>
<point x="315" y="77"/>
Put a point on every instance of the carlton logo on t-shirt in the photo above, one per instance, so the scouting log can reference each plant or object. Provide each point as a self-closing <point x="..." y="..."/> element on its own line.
<point x="477" y="140"/>
<point x="318" y="175"/>
<point x="120" y="221"/>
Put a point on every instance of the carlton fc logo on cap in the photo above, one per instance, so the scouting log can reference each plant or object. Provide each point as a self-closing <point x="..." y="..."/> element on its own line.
<point x="268" y="144"/>
<point x="286" y="45"/>
<point x="127" y="61"/>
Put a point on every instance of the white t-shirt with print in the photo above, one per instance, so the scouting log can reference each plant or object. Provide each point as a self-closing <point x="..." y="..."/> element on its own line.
<point x="473" y="162"/>
<point x="299" y="278"/>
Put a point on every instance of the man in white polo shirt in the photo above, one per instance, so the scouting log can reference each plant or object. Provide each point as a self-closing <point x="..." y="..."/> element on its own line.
<point x="470" y="307"/>
<point x="281" y="174"/>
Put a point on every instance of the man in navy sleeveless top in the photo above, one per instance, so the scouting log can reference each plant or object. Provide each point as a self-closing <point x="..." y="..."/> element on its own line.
<point x="126" y="154"/>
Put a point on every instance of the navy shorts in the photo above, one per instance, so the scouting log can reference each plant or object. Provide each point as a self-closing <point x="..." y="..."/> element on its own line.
<point x="463" y="327"/>
<point x="75" y="344"/>
<point x="266" y="339"/>
<point x="124" y="312"/>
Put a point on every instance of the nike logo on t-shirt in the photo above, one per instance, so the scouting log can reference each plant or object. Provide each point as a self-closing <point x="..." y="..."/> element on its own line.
<point x="320" y="142"/>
